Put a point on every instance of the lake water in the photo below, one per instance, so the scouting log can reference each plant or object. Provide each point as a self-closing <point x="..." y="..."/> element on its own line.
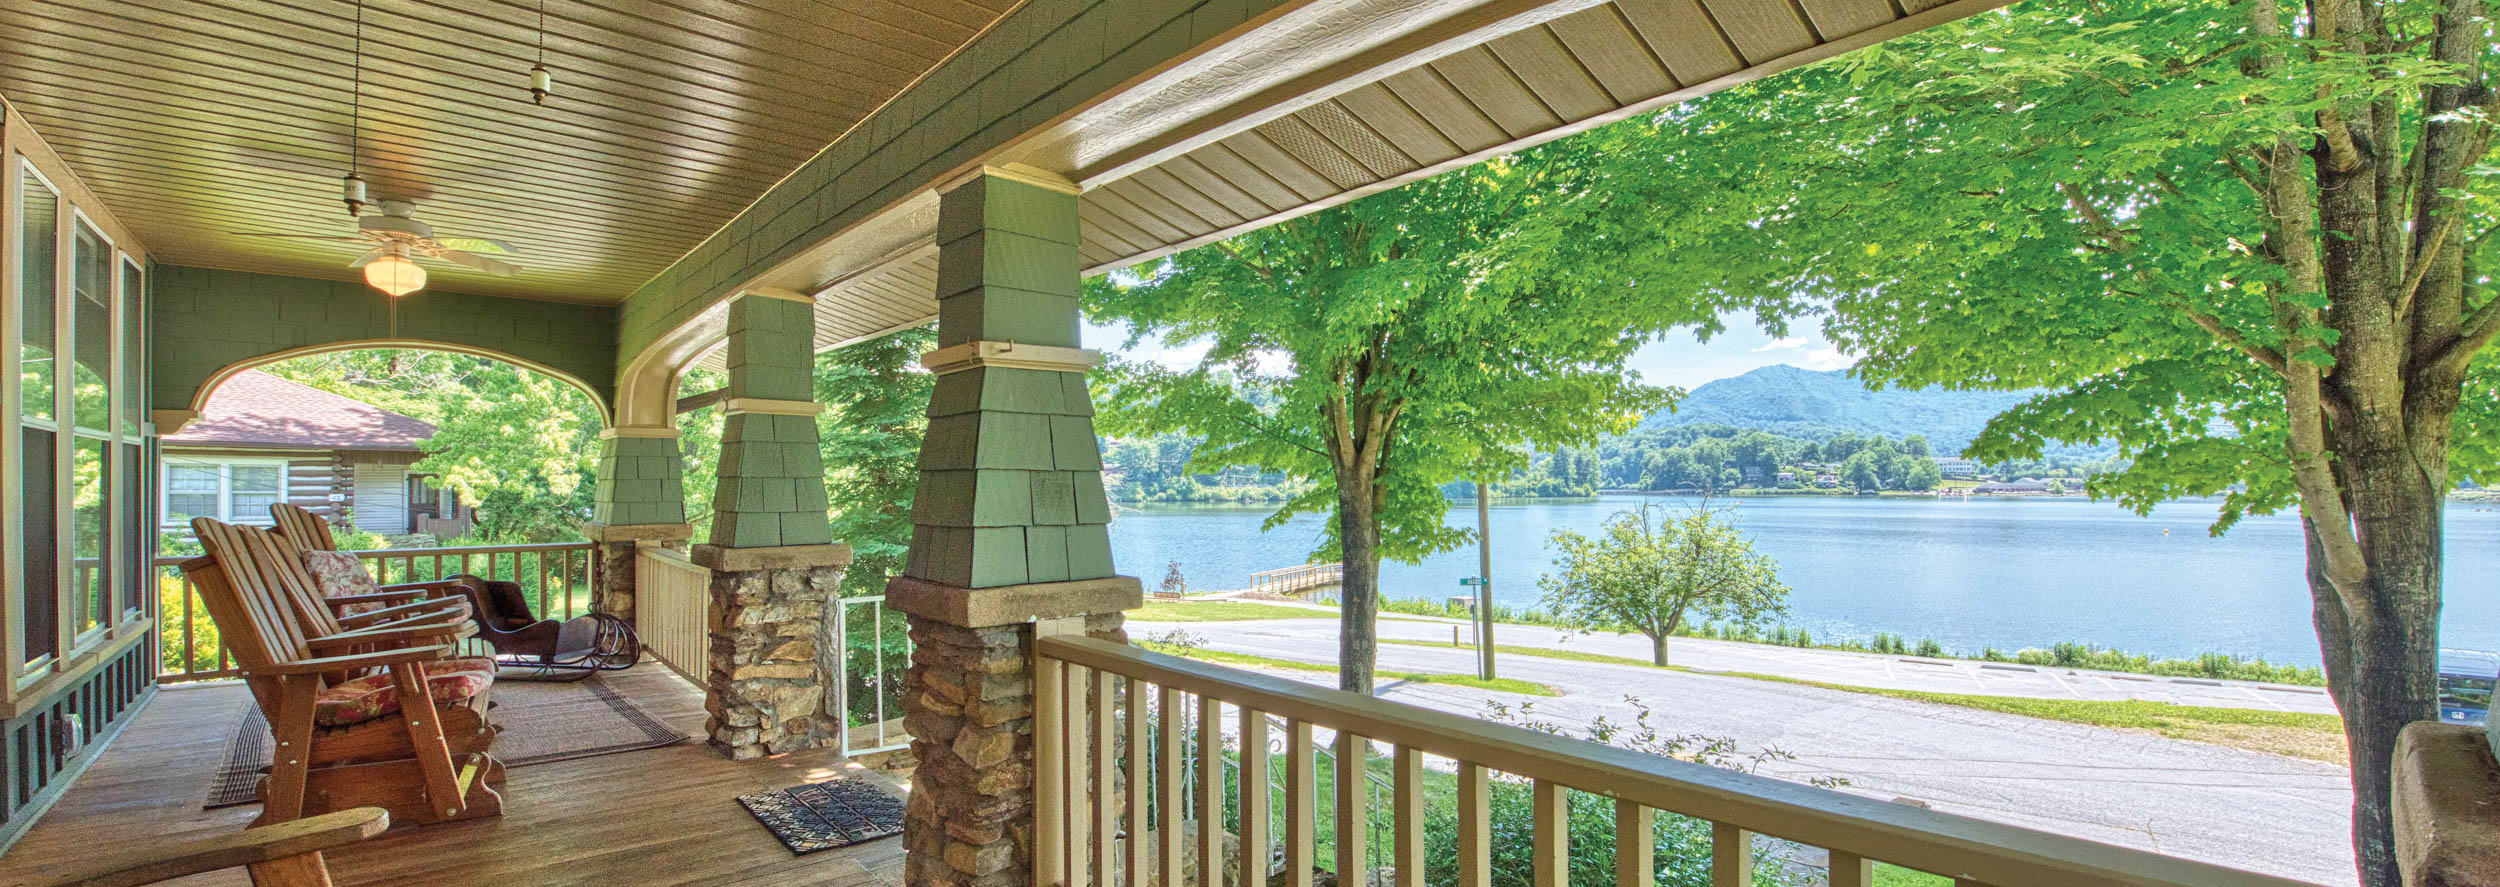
<point x="2008" y="573"/>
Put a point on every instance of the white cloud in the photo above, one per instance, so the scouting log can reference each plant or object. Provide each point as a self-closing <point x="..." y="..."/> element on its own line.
<point x="1783" y="345"/>
<point x="1828" y="359"/>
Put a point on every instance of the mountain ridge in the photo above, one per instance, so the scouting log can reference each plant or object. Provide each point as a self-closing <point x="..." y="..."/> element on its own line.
<point x="1799" y="402"/>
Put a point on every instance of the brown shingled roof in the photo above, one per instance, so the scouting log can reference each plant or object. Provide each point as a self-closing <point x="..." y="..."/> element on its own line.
<point x="260" y="410"/>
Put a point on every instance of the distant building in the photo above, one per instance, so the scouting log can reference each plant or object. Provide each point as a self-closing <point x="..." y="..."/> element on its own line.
<point x="263" y="439"/>
<point x="1827" y="480"/>
<point x="1957" y="467"/>
<point x="1786" y="478"/>
<point x="2026" y="485"/>
<point x="1753" y="474"/>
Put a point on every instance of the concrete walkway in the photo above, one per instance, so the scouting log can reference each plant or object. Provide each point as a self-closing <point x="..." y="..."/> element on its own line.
<point x="2243" y="809"/>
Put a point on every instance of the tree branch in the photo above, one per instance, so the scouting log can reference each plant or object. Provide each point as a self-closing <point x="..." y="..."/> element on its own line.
<point x="2263" y="355"/>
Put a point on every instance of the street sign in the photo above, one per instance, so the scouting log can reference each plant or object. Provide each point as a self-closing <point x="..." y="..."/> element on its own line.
<point x="1474" y="580"/>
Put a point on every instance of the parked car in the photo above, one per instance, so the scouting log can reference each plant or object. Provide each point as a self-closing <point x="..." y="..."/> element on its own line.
<point x="2466" y="678"/>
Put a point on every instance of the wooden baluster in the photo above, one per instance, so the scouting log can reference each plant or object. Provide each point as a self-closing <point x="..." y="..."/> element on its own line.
<point x="1210" y="791"/>
<point x="1106" y="808"/>
<point x="1140" y="781"/>
<point x="1301" y="804"/>
<point x="1353" y="809"/>
<point x="1408" y="803"/>
<point x="1731" y="856"/>
<point x="1851" y="870"/>
<point x="1050" y="769"/>
<point x="1171" y="773"/>
<point x="1079" y="724"/>
<point x="1636" y="842"/>
<point x="1475" y="825"/>
<point x="1253" y="828"/>
<point x="1551" y="846"/>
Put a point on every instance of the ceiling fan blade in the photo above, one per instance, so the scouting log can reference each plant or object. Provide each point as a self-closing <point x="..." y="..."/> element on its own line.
<point x="497" y="267"/>
<point x="366" y="259"/>
<point x="481" y="245"/>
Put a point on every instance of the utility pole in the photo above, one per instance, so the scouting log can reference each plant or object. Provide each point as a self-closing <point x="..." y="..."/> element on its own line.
<point x="1484" y="585"/>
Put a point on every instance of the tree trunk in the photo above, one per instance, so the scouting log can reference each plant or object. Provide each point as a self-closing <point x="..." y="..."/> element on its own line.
<point x="1658" y="649"/>
<point x="1358" y="531"/>
<point x="2382" y="660"/>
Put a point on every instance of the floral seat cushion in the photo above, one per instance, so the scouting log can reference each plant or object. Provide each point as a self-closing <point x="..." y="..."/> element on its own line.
<point x="340" y="574"/>
<point x="374" y="696"/>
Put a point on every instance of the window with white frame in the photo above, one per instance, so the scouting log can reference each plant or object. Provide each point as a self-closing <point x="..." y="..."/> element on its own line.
<point x="230" y="490"/>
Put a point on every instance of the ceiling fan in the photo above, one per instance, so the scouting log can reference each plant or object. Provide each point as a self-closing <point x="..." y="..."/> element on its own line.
<point x="395" y="235"/>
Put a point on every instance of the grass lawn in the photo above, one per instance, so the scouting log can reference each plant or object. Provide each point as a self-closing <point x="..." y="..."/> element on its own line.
<point x="1505" y="685"/>
<point x="2317" y="737"/>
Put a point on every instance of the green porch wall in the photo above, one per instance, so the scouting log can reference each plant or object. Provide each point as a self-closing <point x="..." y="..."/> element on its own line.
<point x="203" y="320"/>
<point x="1043" y="60"/>
<point x="772" y="474"/>
<point x="641" y="481"/>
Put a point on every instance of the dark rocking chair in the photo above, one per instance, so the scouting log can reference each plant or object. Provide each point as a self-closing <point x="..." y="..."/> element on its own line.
<point x="542" y="649"/>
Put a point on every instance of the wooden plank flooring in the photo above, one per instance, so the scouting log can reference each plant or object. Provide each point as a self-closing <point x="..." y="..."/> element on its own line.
<point x="666" y="816"/>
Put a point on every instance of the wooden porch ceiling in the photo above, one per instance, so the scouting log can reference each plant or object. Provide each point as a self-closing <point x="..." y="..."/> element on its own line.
<point x="1415" y="115"/>
<point x="196" y="119"/>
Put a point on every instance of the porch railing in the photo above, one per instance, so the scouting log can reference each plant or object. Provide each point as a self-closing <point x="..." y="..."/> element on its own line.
<point x="1104" y="709"/>
<point x="556" y="577"/>
<point x="671" y="597"/>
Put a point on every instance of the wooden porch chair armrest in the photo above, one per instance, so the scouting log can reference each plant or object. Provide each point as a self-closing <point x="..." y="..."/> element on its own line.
<point x="327" y="664"/>
<point x="432" y="633"/>
<point x="267" y="843"/>
<point x="382" y="597"/>
<point x="417" y="609"/>
<point x="427" y="585"/>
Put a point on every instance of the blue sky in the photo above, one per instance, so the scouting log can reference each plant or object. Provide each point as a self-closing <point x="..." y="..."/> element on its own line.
<point x="1676" y="359"/>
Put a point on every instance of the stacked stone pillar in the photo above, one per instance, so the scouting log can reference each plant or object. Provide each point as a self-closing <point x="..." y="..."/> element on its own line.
<point x="640" y="499"/>
<point x="776" y="572"/>
<point x="1010" y="532"/>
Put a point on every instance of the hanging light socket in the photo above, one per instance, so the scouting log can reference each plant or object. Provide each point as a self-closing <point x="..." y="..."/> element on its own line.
<point x="352" y="191"/>
<point x="542" y="84"/>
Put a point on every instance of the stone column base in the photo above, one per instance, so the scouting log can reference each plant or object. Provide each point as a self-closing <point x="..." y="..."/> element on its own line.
<point x="968" y="704"/>
<point x="770" y="679"/>
<point x="615" y="592"/>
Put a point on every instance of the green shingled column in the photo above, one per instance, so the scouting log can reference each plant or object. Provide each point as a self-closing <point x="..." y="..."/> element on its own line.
<point x="772" y="477"/>
<point x="640" y="499"/>
<point x="775" y="645"/>
<point x="1010" y="535"/>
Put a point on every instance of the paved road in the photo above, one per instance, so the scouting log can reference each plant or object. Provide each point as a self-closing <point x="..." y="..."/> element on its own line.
<point x="2243" y="809"/>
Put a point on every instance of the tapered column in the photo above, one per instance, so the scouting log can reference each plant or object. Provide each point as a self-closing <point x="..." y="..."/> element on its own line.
<point x="1009" y="524"/>
<point x="776" y="571"/>
<point x="640" y="498"/>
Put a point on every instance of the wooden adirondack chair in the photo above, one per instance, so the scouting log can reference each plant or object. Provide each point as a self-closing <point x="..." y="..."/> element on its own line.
<point x="308" y="532"/>
<point x="347" y="743"/>
<point x="282" y="855"/>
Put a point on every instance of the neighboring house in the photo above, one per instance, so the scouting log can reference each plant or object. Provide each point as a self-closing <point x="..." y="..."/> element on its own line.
<point x="263" y="439"/>
<point x="2026" y="485"/>
<point x="1957" y="467"/>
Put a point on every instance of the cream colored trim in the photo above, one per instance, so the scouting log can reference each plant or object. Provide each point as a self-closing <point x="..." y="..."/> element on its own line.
<point x="636" y="431"/>
<point x="1015" y="172"/>
<point x="958" y="358"/>
<point x="770" y="407"/>
<point x="786" y="295"/>
<point x="208" y="386"/>
<point x="172" y="421"/>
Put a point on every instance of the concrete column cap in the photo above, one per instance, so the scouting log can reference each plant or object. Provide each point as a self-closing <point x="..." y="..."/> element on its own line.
<point x="637" y="532"/>
<point x="1015" y="172"/>
<point x="743" y="560"/>
<point x="1013" y="604"/>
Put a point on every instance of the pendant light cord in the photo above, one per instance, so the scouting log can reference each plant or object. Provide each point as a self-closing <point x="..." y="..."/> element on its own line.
<point x="542" y="32"/>
<point x="356" y="95"/>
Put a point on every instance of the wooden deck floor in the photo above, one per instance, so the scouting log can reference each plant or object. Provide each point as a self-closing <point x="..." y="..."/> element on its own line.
<point x="666" y="816"/>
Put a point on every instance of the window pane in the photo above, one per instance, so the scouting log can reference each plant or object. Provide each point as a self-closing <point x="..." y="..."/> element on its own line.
<point x="136" y="549"/>
<point x="256" y="478"/>
<point x="90" y="545"/>
<point x="191" y="478"/>
<point x="42" y="577"/>
<point x="38" y="252"/>
<point x="134" y="345"/>
<point x="252" y="490"/>
<point x="91" y="329"/>
<point x="180" y="508"/>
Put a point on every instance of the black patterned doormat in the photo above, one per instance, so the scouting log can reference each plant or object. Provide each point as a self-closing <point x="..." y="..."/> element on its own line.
<point x="825" y="815"/>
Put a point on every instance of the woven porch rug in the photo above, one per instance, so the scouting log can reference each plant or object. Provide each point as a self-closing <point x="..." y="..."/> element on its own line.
<point x="838" y="812"/>
<point x="543" y="721"/>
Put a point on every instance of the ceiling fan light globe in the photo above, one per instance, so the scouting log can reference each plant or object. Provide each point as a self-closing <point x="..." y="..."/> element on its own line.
<point x="395" y="275"/>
